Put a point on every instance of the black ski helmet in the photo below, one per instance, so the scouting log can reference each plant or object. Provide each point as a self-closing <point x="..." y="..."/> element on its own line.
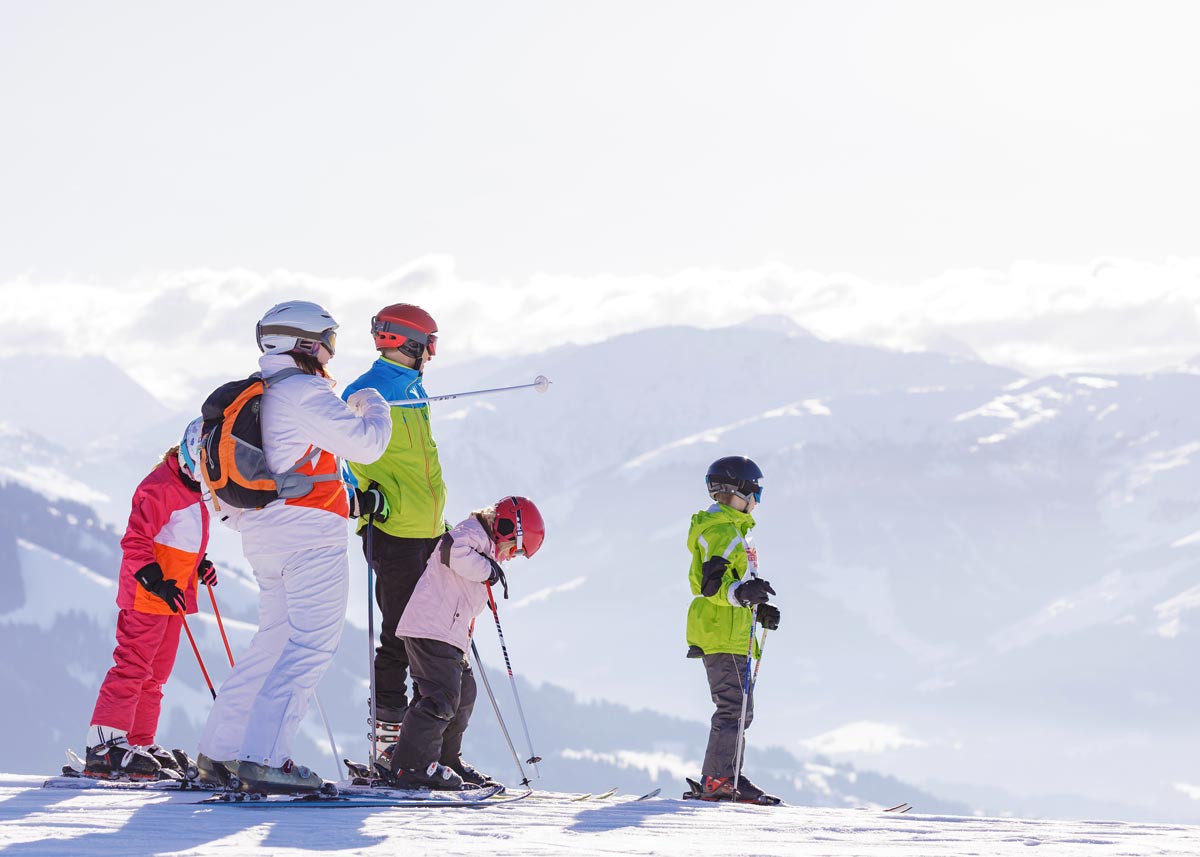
<point x="737" y="475"/>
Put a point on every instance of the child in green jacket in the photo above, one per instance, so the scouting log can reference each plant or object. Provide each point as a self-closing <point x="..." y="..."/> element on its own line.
<point x="727" y="589"/>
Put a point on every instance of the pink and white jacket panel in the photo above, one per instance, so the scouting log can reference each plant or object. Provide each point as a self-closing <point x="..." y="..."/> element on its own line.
<point x="168" y="524"/>
<point x="450" y="594"/>
<point x="301" y="413"/>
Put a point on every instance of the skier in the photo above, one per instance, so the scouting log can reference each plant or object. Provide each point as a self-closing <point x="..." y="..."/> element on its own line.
<point x="725" y="588"/>
<point x="436" y="630"/>
<point x="400" y="498"/>
<point x="163" y="554"/>
<point x="297" y="549"/>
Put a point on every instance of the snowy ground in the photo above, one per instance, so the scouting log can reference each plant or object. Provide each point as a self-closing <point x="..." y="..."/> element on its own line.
<point x="36" y="821"/>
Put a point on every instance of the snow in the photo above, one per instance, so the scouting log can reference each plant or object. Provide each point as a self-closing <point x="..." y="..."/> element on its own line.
<point x="36" y="821"/>
<point x="861" y="736"/>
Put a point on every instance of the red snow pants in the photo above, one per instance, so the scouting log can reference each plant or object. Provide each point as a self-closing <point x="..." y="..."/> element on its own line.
<point x="131" y="695"/>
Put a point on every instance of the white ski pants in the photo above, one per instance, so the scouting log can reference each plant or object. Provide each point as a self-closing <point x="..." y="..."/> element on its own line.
<point x="301" y="609"/>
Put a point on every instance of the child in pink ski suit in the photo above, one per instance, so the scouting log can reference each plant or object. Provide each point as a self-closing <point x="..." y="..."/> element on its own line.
<point x="163" y="554"/>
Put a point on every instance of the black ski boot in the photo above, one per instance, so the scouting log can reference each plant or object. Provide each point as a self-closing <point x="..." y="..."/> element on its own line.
<point x="436" y="777"/>
<point x="747" y="792"/>
<point x="116" y="760"/>
<point x="471" y="777"/>
<point x="170" y="760"/>
<point x="721" y="789"/>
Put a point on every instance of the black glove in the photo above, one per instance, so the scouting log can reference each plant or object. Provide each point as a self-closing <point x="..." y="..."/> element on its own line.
<point x="206" y="572"/>
<point x="497" y="575"/>
<point x="369" y="502"/>
<point x="753" y="591"/>
<point x="151" y="578"/>
<point x="768" y="616"/>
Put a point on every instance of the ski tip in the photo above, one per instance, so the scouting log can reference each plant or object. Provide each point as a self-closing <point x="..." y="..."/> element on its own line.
<point x="649" y="795"/>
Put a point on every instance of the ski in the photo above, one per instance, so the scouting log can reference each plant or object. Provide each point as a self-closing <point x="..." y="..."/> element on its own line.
<point x="432" y="800"/>
<point x="649" y="795"/>
<point x="900" y="807"/>
<point x="80" y="782"/>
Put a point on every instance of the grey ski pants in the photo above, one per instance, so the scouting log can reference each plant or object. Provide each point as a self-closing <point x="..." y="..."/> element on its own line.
<point x="434" y="723"/>
<point x="725" y="675"/>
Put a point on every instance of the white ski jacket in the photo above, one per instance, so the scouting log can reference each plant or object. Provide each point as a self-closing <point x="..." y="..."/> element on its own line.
<point x="299" y="414"/>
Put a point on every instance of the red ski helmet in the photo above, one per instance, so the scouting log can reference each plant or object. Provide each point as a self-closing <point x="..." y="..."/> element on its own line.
<point x="518" y="519"/>
<point x="405" y="326"/>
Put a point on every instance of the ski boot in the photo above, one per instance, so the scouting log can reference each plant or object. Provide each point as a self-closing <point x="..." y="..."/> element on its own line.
<point x="209" y="772"/>
<point x="385" y="728"/>
<point x="288" y="778"/>
<point x="435" y="777"/>
<point x="117" y="760"/>
<point x="170" y="760"/>
<point x="471" y="777"/>
<point x="721" y="789"/>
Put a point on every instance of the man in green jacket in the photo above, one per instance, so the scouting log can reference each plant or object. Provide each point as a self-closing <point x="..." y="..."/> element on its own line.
<point x="724" y="580"/>
<point x="400" y="498"/>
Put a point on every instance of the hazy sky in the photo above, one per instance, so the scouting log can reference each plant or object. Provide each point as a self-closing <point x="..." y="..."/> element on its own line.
<point x="891" y="140"/>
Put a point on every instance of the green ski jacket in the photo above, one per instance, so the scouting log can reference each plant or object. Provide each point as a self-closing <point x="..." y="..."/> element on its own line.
<point x="408" y="473"/>
<point x="714" y="623"/>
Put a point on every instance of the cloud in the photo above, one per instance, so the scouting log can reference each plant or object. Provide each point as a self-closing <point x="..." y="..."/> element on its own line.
<point x="177" y="331"/>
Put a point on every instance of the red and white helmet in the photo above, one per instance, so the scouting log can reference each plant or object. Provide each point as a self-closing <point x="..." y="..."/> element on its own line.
<point x="517" y="519"/>
<point x="300" y="326"/>
<point x="405" y="326"/>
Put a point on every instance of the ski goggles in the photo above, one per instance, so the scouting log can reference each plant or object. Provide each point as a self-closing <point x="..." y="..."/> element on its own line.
<point x="410" y="334"/>
<point x="305" y="341"/>
<point x="506" y="528"/>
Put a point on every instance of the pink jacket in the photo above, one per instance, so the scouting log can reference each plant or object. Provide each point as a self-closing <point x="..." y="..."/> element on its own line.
<point x="169" y="525"/>
<point x="451" y="591"/>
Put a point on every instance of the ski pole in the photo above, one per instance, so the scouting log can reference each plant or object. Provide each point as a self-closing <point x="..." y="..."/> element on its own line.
<point x="337" y="757"/>
<point x="541" y="383"/>
<point x="533" y="757"/>
<point x="371" y="638"/>
<point x="762" y="645"/>
<point x="739" y="750"/>
<point x="199" y="659"/>
<point x="220" y="624"/>
<point x="499" y="717"/>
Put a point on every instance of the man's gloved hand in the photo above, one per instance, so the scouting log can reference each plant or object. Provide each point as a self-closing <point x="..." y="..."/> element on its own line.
<point x="369" y="502"/>
<point x="206" y="572"/>
<point x="768" y="616"/>
<point x="753" y="591"/>
<point x="151" y="578"/>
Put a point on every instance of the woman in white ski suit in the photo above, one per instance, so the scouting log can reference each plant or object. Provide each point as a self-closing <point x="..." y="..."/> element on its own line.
<point x="297" y="548"/>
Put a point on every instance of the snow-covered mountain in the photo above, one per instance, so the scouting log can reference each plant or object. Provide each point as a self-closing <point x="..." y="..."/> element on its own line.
<point x="985" y="579"/>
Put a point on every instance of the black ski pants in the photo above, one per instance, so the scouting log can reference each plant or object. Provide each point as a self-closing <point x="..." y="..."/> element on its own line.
<point x="725" y="676"/>
<point x="435" y="722"/>
<point x="399" y="563"/>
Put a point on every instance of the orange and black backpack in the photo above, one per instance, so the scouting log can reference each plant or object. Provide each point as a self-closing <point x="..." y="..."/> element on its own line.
<point x="231" y="452"/>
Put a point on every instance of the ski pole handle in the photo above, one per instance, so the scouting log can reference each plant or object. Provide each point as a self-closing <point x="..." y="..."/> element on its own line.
<point x="541" y="383"/>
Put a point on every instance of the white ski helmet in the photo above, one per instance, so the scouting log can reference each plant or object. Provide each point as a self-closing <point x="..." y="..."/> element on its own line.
<point x="299" y="326"/>
<point x="189" y="448"/>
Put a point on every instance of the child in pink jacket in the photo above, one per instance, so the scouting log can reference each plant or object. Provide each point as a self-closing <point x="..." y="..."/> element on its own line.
<point x="436" y="629"/>
<point x="163" y="555"/>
